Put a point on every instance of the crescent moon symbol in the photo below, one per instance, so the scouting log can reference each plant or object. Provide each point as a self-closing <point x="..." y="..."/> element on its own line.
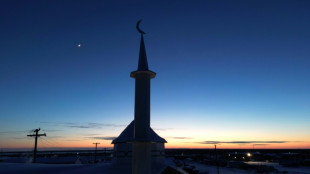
<point x="138" y="28"/>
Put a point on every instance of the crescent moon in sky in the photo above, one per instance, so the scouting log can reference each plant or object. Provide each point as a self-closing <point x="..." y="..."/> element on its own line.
<point x="138" y="28"/>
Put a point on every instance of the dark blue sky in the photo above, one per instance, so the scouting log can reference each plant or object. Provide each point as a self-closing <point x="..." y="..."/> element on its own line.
<point x="240" y="62"/>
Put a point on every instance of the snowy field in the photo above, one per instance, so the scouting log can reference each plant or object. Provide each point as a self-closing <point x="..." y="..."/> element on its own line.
<point x="24" y="168"/>
<point x="281" y="168"/>
<point x="101" y="168"/>
<point x="108" y="168"/>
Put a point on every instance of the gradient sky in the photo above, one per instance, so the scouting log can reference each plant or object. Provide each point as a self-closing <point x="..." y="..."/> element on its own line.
<point x="234" y="73"/>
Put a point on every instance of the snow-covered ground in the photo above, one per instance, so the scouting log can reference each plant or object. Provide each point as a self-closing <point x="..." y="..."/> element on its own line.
<point x="23" y="168"/>
<point x="281" y="168"/>
<point x="208" y="169"/>
<point x="108" y="168"/>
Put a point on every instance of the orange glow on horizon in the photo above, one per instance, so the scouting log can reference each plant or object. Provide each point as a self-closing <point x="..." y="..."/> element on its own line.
<point x="172" y="145"/>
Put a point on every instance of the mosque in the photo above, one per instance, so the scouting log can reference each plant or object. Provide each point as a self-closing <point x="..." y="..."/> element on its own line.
<point x="138" y="146"/>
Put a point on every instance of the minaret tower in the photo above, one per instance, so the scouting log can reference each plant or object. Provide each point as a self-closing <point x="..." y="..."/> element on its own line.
<point x="141" y="160"/>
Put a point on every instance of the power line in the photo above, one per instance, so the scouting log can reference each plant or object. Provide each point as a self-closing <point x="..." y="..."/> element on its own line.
<point x="45" y="142"/>
<point x="51" y="142"/>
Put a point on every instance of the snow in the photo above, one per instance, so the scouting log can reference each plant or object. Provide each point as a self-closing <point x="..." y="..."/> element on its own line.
<point x="24" y="168"/>
<point x="299" y="170"/>
<point x="207" y="169"/>
<point x="108" y="168"/>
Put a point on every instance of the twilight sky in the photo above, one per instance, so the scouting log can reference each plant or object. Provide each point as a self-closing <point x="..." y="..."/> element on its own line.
<point x="235" y="73"/>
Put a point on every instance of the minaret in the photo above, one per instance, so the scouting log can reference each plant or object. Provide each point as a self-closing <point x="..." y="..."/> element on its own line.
<point x="141" y="149"/>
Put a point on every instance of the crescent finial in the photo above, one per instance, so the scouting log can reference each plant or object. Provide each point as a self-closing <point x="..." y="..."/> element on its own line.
<point x="138" y="28"/>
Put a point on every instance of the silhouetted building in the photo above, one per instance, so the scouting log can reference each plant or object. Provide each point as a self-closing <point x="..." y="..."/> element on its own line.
<point x="138" y="145"/>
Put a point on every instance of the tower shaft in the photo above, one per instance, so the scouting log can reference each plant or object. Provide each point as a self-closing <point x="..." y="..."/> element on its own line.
<point x="142" y="107"/>
<point x="141" y="146"/>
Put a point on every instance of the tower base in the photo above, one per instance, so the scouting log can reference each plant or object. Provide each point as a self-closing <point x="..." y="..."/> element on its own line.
<point x="141" y="158"/>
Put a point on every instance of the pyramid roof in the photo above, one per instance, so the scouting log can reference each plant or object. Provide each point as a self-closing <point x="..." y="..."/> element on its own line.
<point x="128" y="135"/>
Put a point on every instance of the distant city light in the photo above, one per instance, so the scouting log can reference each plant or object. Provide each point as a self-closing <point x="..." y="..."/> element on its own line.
<point x="248" y="154"/>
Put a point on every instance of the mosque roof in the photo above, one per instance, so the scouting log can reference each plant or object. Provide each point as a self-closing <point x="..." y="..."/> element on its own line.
<point x="127" y="135"/>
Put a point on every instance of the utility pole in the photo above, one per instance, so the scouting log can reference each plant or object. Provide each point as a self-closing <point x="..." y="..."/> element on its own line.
<point x="96" y="151"/>
<point x="217" y="161"/>
<point x="36" y="135"/>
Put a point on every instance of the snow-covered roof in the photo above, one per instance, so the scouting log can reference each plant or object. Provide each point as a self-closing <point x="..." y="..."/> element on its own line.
<point x="127" y="135"/>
